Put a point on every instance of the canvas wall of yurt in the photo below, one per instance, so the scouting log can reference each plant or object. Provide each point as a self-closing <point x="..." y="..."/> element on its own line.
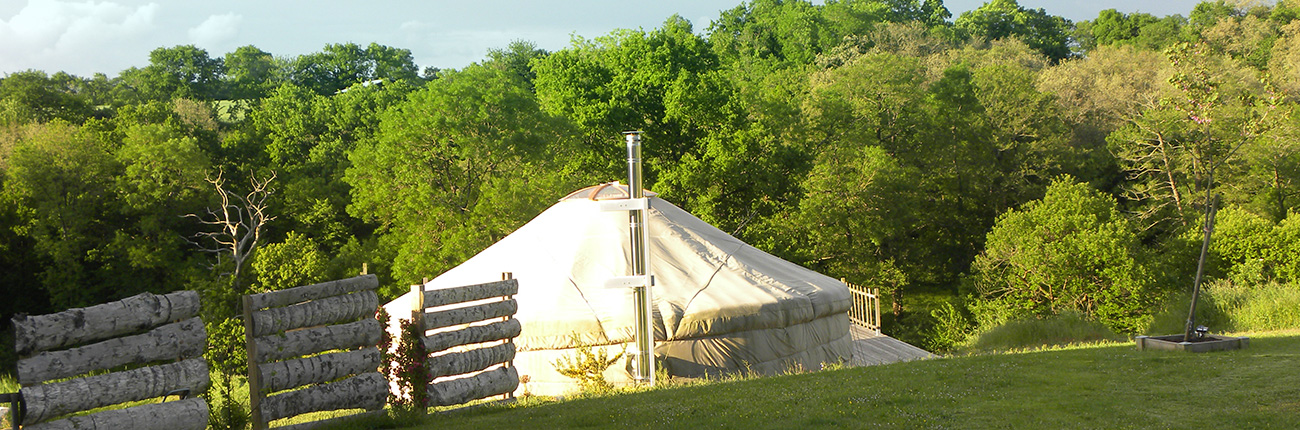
<point x="719" y="304"/>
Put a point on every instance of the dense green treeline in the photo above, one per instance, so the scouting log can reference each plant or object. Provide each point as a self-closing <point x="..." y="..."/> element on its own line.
<point x="1008" y="162"/>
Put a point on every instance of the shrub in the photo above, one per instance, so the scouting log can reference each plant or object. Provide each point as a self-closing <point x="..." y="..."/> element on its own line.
<point x="228" y="412"/>
<point x="950" y="329"/>
<point x="226" y="351"/>
<point x="588" y="367"/>
<point x="1072" y="250"/>
<point x="405" y="366"/>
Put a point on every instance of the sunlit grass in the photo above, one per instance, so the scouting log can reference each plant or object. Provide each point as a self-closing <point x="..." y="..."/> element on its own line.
<point x="1105" y="385"/>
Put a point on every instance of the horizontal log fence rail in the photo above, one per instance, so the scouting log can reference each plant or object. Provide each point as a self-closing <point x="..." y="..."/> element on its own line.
<point x="865" y="311"/>
<point x="145" y="329"/>
<point x="473" y="333"/>
<point x="286" y="331"/>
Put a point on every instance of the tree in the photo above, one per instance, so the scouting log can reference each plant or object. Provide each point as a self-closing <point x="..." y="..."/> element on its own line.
<point x="236" y="225"/>
<point x="45" y="98"/>
<point x="1169" y="152"/>
<point x="1072" y="250"/>
<point x="997" y="19"/>
<point x="295" y="261"/>
<point x="339" y="66"/>
<point x="857" y="218"/>
<point x="458" y="165"/>
<point x="518" y="57"/>
<point x="60" y="179"/>
<point x="183" y="71"/>
<point x="161" y="179"/>
<point x="250" y="73"/>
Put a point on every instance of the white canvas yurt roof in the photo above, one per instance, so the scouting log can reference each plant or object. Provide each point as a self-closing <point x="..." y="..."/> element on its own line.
<point x="720" y="304"/>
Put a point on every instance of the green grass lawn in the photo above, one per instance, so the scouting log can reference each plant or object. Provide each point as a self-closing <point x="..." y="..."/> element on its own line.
<point x="1107" y="386"/>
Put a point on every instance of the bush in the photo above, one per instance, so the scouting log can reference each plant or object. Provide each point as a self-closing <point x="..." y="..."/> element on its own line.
<point x="1070" y="251"/>
<point x="950" y="329"/>
<point x="587" y="367"/>
<point x="405" y="366"/>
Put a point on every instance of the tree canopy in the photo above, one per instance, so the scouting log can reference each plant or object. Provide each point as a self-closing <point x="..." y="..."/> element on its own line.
<point x="1008" y="162"/>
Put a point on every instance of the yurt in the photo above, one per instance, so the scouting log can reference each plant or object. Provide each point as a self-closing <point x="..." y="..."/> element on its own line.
<point x="719" y="305"/>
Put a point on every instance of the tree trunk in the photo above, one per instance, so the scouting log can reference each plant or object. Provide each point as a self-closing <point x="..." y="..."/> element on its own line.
<point x="43" y="402"/>
<point x="76" y="326"/>
<point x="314" y="292"/>
<point x="367" y="391"/>
<point x="447" y="296"/>
<point x="184" y="339"/>
<point x="458" y="363"/>
<point x="317" y="312"/>
<point x="438" y="342"/>
<point x="456" y="391"/>
<point x="298" y="343"/>
<point x="469" y="314"/>
<point x="188" y="414"/>
<point x="291" y="374"/>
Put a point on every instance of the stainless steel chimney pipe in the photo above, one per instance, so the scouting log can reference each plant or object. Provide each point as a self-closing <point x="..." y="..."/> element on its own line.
<point x="642" y="301"/>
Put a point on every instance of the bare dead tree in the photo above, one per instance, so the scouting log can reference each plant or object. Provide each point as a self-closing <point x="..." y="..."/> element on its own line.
<point x="238" y="221"/>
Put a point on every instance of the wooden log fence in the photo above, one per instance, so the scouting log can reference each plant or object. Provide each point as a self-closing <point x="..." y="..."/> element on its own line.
<point x="285" y="332"/>
<point x="138" y="330"/>
<point x="463" y="345"/>
<point x="865" y="310"/>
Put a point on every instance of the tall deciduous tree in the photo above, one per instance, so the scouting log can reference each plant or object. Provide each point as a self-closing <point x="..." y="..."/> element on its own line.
<point x="998" y="19"/>
<point x="183" y="71"/>
<point x="455" y="167"/>
<point x="61" y="180"/>
<point x="251" y="73"/>
<point x="45" y="98"/>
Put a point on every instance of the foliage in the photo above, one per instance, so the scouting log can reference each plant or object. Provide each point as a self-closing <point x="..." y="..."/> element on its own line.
<point x="951" y="329"/>
<point x="404" y="364"/>
<point x="587" y="367"/>
<point x="227" y="409"/>
<point x="227" y="354"/>
<point x="998" y="19"/>
<point x="1072" y="250"/>
<point x="445" y="162"/>
<point x="870" y="139"/>
<point x="296" y="261"/>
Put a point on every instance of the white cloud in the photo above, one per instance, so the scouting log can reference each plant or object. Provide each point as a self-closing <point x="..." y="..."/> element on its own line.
<point x="70" y="32"/>
<point x="217" y="29"/>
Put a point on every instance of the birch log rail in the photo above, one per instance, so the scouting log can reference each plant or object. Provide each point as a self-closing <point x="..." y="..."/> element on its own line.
<point x="285" y="333"/>
<point x="113" y="328"/>
<point x="459" y="371"/>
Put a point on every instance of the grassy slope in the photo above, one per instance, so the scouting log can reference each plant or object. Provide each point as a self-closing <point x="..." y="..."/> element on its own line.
<point x="1107" y="386"/>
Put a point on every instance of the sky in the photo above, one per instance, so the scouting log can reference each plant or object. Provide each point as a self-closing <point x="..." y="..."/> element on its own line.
<point x="83" y="37"/>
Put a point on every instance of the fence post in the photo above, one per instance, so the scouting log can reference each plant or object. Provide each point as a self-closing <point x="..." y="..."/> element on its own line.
<point x="877" y="315"/>
<point x="254" y="374"/>
<point x="417" y="319"/>
<point x="506" y="276"/>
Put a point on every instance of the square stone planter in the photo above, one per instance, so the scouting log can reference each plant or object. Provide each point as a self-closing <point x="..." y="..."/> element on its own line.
<point x="1206" y="344"/>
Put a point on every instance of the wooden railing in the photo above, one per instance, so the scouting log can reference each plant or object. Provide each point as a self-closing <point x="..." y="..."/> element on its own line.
<point x="286" y="330"/>
<point x="141" y="329"/>
<point x="865" y="311"/>
<point x="457" y="315"/>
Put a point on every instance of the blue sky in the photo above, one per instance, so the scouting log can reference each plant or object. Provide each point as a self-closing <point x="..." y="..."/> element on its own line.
<point x="83" y="37"/>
